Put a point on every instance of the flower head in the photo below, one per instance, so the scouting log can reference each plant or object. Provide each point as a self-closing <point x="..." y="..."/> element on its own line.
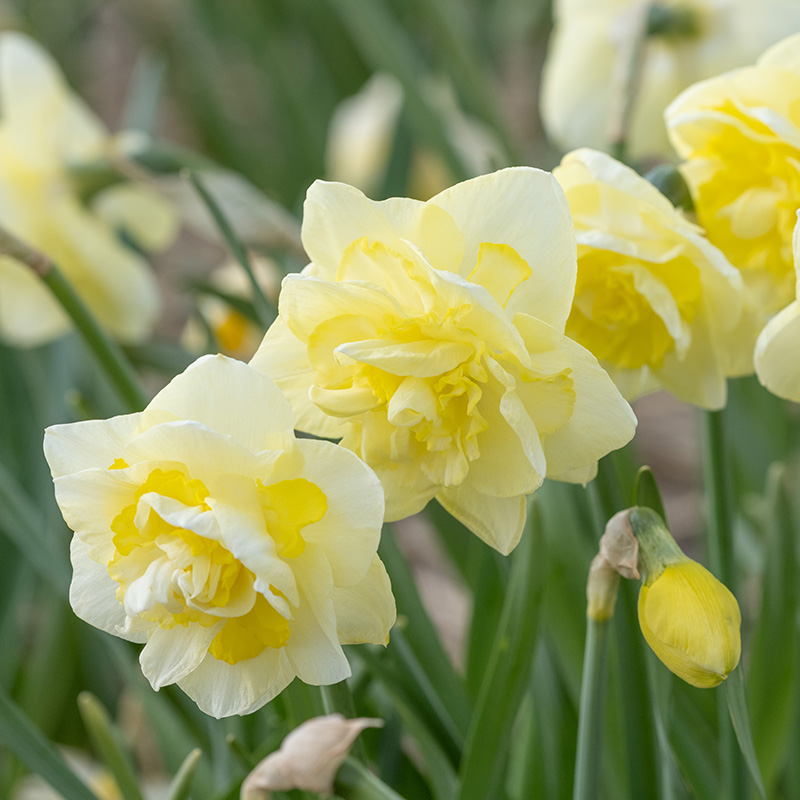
<point x="654" y="300"/>
<point x="686" y="42"/>
<point x="740" y="136"/>
<point x="778" y="345"/>
<point x="45" y="132"/>
<point x="429" y="337"/>
<point x="240" y="555"/>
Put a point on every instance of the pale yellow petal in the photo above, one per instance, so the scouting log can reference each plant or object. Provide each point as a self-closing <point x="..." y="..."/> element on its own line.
<point x="777" y="355"/>
<point x="366" y="612"/>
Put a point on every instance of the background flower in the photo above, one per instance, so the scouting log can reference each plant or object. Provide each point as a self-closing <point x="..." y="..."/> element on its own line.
<point x="582" y="63"/>
<point x="241" y="556"/>
<point x="740" y="136"/>
<point x="430" y="337"/>
<point x="654" y="301"/>
<point x="45" y="131"/>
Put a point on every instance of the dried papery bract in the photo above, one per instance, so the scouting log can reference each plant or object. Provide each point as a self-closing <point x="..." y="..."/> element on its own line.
<point x="308" y="758"/>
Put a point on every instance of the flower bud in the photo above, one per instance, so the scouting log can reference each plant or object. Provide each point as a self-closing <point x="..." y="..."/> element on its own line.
<point x="689" y="619"/>
<point x="692" y="622"/>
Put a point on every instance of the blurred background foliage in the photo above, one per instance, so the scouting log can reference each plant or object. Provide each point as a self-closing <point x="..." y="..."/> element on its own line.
<point x="254" y="85"/>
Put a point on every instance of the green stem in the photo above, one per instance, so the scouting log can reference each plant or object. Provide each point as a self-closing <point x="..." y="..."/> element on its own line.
<point x="108" y="354"/>
<point x="590" y="711"/>
<point x="263" y="307"/>
<point x="719" y="524"/>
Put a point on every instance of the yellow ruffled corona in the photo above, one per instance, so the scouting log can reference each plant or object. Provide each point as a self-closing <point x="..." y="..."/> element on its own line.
<point x="241" y="556"/>
<point x="429" y="338"/>
<point x="740" y="136"/>
<point x="655" y="302"/>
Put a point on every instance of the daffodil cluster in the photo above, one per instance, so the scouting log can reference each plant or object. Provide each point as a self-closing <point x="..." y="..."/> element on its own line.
<point x="429" y="338"/>
<point x="241" y="556"/>
<point x="46" y="133"/>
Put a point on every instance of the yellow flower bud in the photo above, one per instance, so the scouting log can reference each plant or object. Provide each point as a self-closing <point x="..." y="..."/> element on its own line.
<point x="691" y="621"/>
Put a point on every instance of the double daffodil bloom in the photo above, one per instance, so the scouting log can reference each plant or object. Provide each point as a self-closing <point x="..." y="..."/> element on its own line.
<point x="429" y="337"/>
<point x="242" y="556"/>
<point x="778" y="346"/>
<point x="654" y="300"/>
<point x="45" y="132"/>
<point x="740" y="136"/>
<point x="686" y="42"/>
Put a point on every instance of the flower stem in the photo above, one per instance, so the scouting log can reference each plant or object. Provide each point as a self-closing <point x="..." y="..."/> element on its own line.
<point x="590" y="710"/>
<point x="109" y="355"/>
<point x="337" y="698"/>
<point x="719" y="524"/>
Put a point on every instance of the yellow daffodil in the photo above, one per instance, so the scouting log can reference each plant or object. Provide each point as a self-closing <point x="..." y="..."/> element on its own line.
<point x="688" y="41"/>
<point x="242" y="556"/>
<point x="654" y="300"/>
<point x="740" y="136"/>
<point x="429" y="338"/>
<point x="778" y="346"/>
<point x="45" y="132"/>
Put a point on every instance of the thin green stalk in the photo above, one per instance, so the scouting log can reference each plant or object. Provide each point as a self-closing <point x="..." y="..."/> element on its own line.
<point x="264" y="309"/>
<point x="108" y="354"/>
<point x="719" y="525"/>
<point x="590" y="710"/>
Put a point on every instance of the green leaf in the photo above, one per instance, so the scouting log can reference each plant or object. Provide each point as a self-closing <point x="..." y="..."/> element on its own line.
<point x="737" y="705"/>
<point x="107" y="745"/>
<point x="646" y="493"/>
<point x="144" y="95"/>
<point x="355" y="782"/>
<point x="772" y="683"/>
<point x="508" y="674"/>
<point x="181" y="783"/>
<point x="21" y="737"/>
<point x="421" y="635"/>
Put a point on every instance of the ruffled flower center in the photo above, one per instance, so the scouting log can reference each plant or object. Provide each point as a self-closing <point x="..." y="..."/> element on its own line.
<point x="172" y="568"/>
<point x="633" y="313"/>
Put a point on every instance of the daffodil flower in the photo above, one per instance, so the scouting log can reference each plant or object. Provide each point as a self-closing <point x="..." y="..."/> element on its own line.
<point x="241" y="556"/>
<point x="654" y="300"/>
<point x="740" y="136"/>
<point x="686" y="42"/>
<point x="429" y="337"/>
<point x="45" y="132"/>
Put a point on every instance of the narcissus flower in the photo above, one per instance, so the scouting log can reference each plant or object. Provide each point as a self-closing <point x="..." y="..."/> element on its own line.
<point x="241" y="556"/>
<point x="690" y="620"/>
<point x="778" y="346"/>
<point x="740" y="136"/>
<point x="430" y="338"/>
<point x="45" y="132"/>
<point x="654" y="300"/>
<point x="687" y="42"/>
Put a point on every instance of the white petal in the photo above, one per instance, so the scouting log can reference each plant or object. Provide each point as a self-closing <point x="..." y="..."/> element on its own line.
<point x="221" y="689"/>
<point x="170" y="655"/>
<point x="92" y="594"/>
<point x="229" y="397"/>
<point x="526" y="209"/>
<point x="349" y="532"/>
<point x="777" y="349"/>
<point x="499" y="521"/>
<point x="366" y="612"/>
